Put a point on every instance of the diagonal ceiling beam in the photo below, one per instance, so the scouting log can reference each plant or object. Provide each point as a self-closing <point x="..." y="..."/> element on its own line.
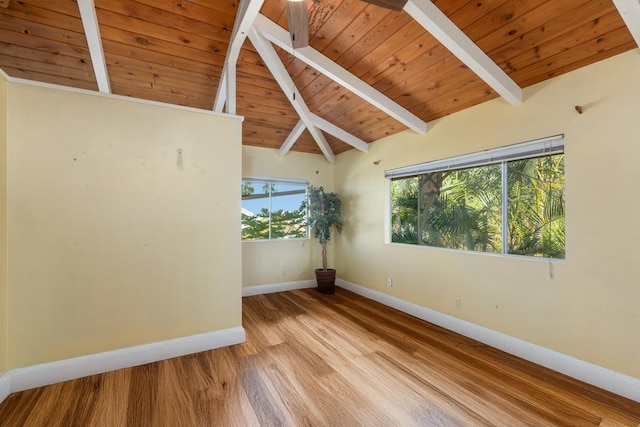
<point x="221" y="94"/>
<point x="446" y="32"/>
<point x="630" y="12"/>
<point x="339" y="133"/>
<point x="277" y="35"/>
<point x="326" y="126"/>
<point x="247" y="12"/>
<point x="292" y="138"/>
<point x="279" y="72"/>
<point x="94" y="41"/>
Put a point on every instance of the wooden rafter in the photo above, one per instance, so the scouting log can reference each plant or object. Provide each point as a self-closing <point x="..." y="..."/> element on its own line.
<point x="247" y="12"/>
<point x="630" y="12"/>
<point x="174" y="52"/>
<point x="446" y="32"/>
<point x="94" y="41"/>
<point x="277" y="35"/>
<point x="279" y="72"/>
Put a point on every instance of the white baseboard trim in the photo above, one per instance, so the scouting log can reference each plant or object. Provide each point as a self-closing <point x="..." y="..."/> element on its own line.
<point x="5" y="386"/>
<point x="277" y="287"/>
<point x="598" y="376"/>
<point x="77" y="367"/>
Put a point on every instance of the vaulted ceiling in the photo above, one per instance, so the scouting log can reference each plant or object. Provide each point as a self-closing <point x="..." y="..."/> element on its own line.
<point x="374" y="72"/>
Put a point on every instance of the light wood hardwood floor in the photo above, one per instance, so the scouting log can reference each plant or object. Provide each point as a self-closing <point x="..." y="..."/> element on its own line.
<point x="327" y="360"/>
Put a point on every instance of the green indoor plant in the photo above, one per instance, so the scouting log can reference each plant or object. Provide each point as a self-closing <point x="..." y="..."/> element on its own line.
<point x="324" y="214"/>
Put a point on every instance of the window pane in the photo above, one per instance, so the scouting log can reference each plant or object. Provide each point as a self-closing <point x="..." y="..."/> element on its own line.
<point x="272" y="210"/>
<point x="255" y="210"/>
<point x="288" y="218"/>
<point x="404" y="210"/>
<point x="461" y="209"/>
<point x="458" y="209"/>
<point x="536" y="207"/>
<point x="484" y="201"/>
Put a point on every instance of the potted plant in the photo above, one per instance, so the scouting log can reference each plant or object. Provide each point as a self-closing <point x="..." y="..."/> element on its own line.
<point x="324" y="213"/>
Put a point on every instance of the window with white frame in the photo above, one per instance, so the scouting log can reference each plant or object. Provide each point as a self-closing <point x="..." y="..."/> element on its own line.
<point x="507" y="200"/>
<point x="272" y="209"/>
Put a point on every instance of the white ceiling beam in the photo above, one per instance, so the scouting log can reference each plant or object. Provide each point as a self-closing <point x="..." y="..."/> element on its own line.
<point x="326" y="126"/>
<point x="630" y="12"/>
<point x="230" y="88"/>
<point x="339" y="133"/>
<point x="446" y="32"/>
<point x="279" y="72"/>
<point x="94" y="41"/>
<point x="247" y="12"/>
<point x="280" y="37"/>
<point x="221" y="94"/>
<point x="292" y="138"/>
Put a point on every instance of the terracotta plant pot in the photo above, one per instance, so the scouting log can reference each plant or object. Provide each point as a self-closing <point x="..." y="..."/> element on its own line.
<point x="326" y="280"/>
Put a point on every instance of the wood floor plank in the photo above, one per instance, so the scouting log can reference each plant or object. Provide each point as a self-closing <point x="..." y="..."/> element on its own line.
<point x="143" y="394"/>
<point x="111" y="405"/>
<point x="327" y="360"/>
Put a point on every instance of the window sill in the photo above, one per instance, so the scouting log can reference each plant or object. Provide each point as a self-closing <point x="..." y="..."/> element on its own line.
<point x="491" y="254"/>
<point x="297" y="239"/>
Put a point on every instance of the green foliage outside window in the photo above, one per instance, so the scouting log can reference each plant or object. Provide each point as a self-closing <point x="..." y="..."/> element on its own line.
<point x="284" y="224"/>
<point x="273" y="210"/>
<point x="462" y="209"/>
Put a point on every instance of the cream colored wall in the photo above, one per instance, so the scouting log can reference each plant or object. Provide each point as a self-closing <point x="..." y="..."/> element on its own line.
<point x="282" y="261"/>
<point x="586" y="307"/>
<point x="111" y="243"/>
<point x="4" y="309"/>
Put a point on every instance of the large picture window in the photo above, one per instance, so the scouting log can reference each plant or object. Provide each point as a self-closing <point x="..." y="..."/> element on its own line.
<point x="272" y="209"/>
<point x="508" y="200"/>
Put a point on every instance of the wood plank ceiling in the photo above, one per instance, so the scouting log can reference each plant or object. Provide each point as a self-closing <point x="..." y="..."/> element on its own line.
<point x="174" y="50"/>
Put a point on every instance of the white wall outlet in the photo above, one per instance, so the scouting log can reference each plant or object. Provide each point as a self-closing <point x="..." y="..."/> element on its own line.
<point x="389" y="282"/>
<point x="458" y="302"/>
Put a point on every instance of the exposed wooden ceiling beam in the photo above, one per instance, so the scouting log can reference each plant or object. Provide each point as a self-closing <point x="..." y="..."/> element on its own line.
<point x="247" y="12"/>
<point x="630" y="12"/>
<point x="221" y="94"/>
<point x="277" y="35"/>
<point x="279" y="72"/>
<point x="326" y="126"/>
<point x="446" y="32"/>
<point x="94" y="41"/>
<point x="292" y="138"/>
<point x="339" y="133"/>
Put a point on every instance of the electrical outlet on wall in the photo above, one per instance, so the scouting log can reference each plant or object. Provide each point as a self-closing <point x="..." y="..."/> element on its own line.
<point x="458" y="302"/>
<point x="389" y="282"/>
